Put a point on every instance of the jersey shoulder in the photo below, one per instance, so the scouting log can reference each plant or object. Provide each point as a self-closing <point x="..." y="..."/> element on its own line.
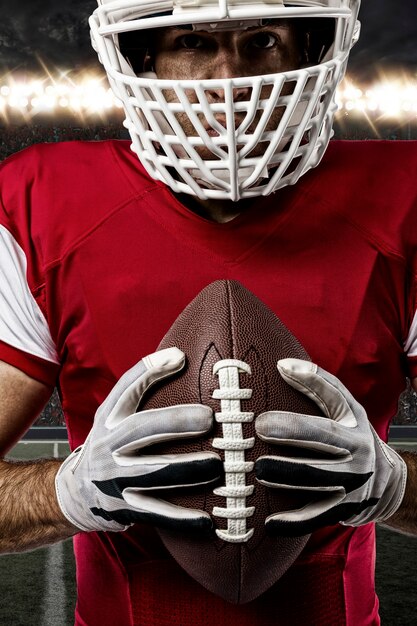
<point x="373" y="184"/>
<point x="74" y="169"/>
<point x="378" y="167"/>
<point x="61" y="191"/>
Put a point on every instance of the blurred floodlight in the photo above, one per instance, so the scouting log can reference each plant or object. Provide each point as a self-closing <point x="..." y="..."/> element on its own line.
<point x="89" y="94"/>
<point x="389" y="98"/>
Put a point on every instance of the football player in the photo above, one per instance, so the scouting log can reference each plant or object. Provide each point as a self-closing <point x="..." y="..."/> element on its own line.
<point x="229" y="105"/>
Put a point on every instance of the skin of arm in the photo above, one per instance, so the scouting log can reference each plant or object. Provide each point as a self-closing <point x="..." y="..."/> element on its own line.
<point x="405" y="518"/>
<point x="30" y="516"/>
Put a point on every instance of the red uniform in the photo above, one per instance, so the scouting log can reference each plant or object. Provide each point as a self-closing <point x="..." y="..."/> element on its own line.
<point x="98" y="260"/>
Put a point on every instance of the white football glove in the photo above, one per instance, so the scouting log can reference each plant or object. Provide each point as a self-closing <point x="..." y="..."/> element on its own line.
<point x="108" y="483"/>
<point x="354" y="477"/>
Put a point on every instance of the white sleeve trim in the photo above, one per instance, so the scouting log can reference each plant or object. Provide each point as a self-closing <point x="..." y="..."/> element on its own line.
<point x="410" y="345"/>
<point x="22" y="323"/>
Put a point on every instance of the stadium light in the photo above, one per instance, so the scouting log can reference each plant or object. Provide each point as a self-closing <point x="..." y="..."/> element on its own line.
<point x="89" y="94"/>
<point x="389" y="98"/>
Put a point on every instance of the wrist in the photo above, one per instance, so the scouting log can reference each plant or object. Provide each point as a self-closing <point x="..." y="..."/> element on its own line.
<point x="404" y="519"/>
<point x="68" y="496"/>
<point x="395" y="491"/>
<point x="392" y="491"/>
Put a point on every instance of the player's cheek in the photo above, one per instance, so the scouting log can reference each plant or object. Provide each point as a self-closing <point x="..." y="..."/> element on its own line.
<point x="173" y="66"/>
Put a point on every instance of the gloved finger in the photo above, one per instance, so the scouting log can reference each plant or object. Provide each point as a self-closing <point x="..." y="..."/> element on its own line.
<point x="313" y="516"/>
<point x="167" y="515"/>
<point x="124" y="398"/>
<point x="307" y="519"/>
<point x="277" y="472"/>
<point x="305" y="431"/>
<point x="133" y="507"/>
<point x="164" y="472"/>
<point x="157" y="425"/>
<point x="323" y="388"/>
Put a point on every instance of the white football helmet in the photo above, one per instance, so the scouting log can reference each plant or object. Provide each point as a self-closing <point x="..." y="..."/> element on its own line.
<point x="237" y="167"/>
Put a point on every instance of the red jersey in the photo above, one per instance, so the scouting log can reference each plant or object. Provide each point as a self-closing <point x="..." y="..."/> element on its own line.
<point x="97" y="262"/>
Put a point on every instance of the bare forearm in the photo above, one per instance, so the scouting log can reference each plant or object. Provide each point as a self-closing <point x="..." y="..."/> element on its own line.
<point x="30" y="516"/>
<point x="405" y="518"/>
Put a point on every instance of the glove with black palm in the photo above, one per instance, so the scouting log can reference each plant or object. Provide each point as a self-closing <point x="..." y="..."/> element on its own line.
<point x="353" y="476"/>
<point x="108" y="483"/>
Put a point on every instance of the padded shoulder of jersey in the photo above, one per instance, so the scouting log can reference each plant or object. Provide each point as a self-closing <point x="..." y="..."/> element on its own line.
<point x="54" y="194"/>
<point x="374" y="185"/>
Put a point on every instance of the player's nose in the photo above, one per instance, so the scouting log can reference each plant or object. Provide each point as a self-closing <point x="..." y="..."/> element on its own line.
<point x="229" y="64"/>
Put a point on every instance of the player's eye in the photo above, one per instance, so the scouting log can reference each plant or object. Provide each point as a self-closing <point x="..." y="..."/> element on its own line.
<point x="191" y="41"/>
<point x="263" y="40"/>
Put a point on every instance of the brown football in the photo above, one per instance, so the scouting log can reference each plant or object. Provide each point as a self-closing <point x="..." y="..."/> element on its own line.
<point x="232" y="342"/>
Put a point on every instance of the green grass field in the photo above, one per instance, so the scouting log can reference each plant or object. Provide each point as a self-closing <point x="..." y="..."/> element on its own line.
<point x="38" y="588"/>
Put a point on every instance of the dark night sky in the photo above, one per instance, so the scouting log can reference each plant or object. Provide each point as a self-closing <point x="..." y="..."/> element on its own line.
<point x="57" y="33"/>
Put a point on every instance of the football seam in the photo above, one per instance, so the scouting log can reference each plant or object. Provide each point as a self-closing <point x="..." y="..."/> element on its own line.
<point x="231" y="315"/>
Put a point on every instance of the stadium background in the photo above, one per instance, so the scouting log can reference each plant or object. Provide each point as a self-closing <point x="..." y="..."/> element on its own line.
<point x="42" y="101"/>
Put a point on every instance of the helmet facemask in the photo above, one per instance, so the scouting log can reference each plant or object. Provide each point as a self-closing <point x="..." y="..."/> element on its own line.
<point x="234" y="146"/>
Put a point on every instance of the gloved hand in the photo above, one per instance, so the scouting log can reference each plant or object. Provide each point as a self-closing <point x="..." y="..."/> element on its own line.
<point x="353" y="476"/>
<point x="108" y="483"/>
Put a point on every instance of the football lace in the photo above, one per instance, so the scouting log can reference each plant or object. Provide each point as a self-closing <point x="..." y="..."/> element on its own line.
<point x="234" y="446"/>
